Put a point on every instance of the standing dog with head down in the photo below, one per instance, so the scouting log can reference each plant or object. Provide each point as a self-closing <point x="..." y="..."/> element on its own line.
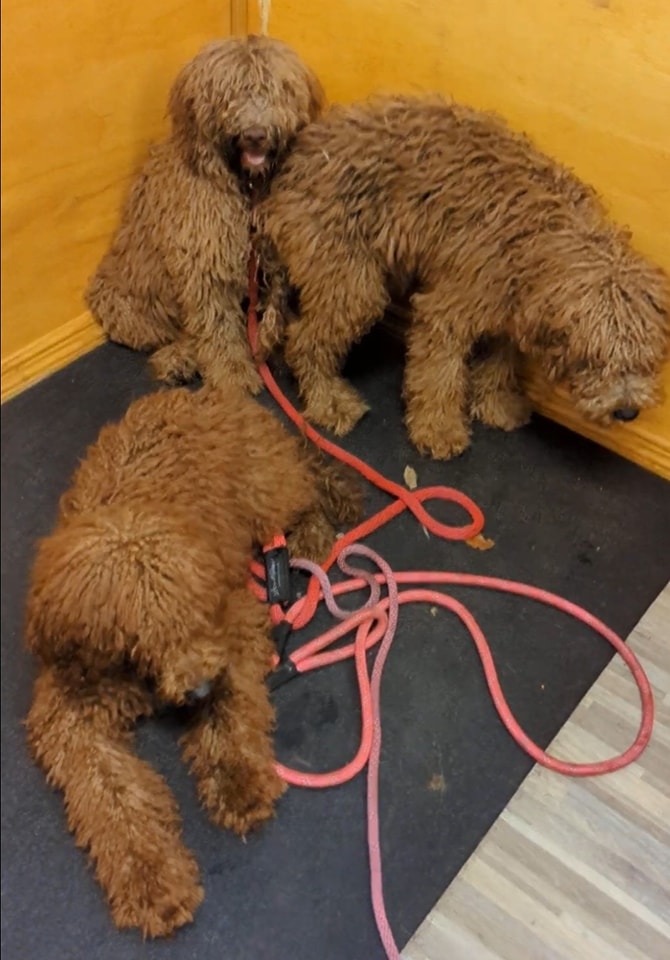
<point x="505" y="254"/>
<point x="175" y="277"/>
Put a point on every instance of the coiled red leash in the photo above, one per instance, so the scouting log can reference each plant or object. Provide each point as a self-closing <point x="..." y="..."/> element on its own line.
<point x="376" y="620"/>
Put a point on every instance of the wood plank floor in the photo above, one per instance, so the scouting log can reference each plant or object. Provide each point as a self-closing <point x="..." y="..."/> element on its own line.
<point x="576" y="869"/>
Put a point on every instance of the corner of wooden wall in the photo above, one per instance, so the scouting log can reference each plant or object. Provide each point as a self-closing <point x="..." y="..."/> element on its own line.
<point x="239" y="17"/>
<point x="69" y="340"/>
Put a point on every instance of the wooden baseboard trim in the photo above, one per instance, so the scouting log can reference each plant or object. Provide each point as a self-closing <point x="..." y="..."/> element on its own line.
<point x="49" y="353"/>
<point x="636" y="442"/>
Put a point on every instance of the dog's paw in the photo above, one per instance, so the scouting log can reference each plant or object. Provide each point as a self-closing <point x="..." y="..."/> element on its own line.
<point x="270" y="332"/>
<point x="240" y="372"/>
<point x="174" y="363"/>
<point x="443" y="442"/>
<point x="312" y="539"/>
<point x="246" y="376"/>
<point x="242" y="798"/>
<point x="338" y="408"/>
<point x="157" y="894"/>
<point x="504" y="409"/>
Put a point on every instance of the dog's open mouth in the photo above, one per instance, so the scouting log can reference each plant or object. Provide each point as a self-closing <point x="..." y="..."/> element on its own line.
<point x="254" y="160"/>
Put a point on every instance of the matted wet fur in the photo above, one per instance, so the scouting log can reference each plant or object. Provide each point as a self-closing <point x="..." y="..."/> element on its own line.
<point x="504" y="253"/>
<point x="138" y="598"/>
<point x="175" y="276"/>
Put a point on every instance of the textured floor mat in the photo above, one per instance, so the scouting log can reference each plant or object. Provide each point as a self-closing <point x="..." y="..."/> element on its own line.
<point x="565" y="515"/>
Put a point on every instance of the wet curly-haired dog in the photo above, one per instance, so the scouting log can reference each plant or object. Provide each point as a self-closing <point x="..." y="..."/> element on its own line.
<point x="504" y="252"/>
<point x="139" y="598"/>
<point x="175" y="276"/>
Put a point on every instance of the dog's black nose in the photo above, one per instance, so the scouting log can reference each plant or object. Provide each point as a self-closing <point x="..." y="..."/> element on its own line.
<point x="625" y="414"/>
<point x="255" y="136"/>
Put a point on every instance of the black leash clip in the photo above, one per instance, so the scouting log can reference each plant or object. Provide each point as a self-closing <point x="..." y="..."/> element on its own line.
<point x="286" y="669"/>
<point x="281" y="674"/>
<point x="279" y="592"/>
<point x="277" y="572"/>
<point x="280" y="634"/>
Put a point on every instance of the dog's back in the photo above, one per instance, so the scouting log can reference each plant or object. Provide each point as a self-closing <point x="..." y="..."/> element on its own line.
<point x="214" y="455"/>
<point x="207" y="451"/>
<point x="402" y="175"/>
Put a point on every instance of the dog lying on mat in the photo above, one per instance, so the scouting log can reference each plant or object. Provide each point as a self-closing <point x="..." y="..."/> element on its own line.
<point x="504" y="252"/>
<point x="175" y="276"/>
<point x="139" y="598"/>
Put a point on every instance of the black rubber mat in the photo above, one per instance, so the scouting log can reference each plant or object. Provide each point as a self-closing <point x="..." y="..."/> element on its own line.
<point x="565" y="515"/>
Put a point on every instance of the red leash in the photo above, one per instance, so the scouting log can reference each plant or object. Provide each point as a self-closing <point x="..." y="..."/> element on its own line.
<point x="375" y="623"/>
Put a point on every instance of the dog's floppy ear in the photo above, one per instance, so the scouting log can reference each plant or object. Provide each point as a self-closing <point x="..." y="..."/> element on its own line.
<point x="181" y="107"/>
<point x="317" y="95"/>
<point x="193" y="123"/>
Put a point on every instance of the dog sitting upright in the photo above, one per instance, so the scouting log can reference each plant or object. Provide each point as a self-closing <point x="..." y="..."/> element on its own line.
<point x="139" y="597"/>
<point x="504" y="253"/>
<point x="175" y="276"/>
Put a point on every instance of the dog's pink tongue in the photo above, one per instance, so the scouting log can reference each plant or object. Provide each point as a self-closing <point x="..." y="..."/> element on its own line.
<point x="253" y="159"/>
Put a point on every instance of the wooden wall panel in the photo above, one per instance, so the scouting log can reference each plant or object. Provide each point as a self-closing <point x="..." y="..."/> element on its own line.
<point x="84" y="90"/>
<point x="589" y="80"/>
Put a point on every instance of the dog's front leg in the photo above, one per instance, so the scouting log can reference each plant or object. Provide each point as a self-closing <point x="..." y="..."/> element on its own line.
<point x="496" y="396"/>
<point x="214" y="342"/>
<point x="118" y="808"/>
<point x="333" y="316"/>
<point x="439" y="342"/>
<point x="223" y="349"/>
<point x="229" y="748"/>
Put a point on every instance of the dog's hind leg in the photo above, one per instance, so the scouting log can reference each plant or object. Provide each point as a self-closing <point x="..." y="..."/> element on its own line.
<point x="229" y="748"/>
<point x="439" y="342"/>
<point x="496" y="396"/>
<point x="334" y="314"/>
<point x="118" y="808"/>
<point x="125" y="318"/>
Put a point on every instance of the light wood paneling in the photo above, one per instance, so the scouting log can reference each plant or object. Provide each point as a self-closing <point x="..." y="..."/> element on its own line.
<point x="589" y="80"/>
<point x="576" y="869"/>
<point x="84" y="90"/>
<point x="239" y="16"/>
<point x="646" y="441"/>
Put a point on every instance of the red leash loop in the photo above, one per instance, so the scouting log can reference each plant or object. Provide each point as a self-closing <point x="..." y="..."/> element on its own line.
<point x="375" y="623"/>
<point x="404" y="499"/>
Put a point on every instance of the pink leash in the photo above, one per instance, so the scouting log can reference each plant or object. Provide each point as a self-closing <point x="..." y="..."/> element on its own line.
<point x="375" y="621"/>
